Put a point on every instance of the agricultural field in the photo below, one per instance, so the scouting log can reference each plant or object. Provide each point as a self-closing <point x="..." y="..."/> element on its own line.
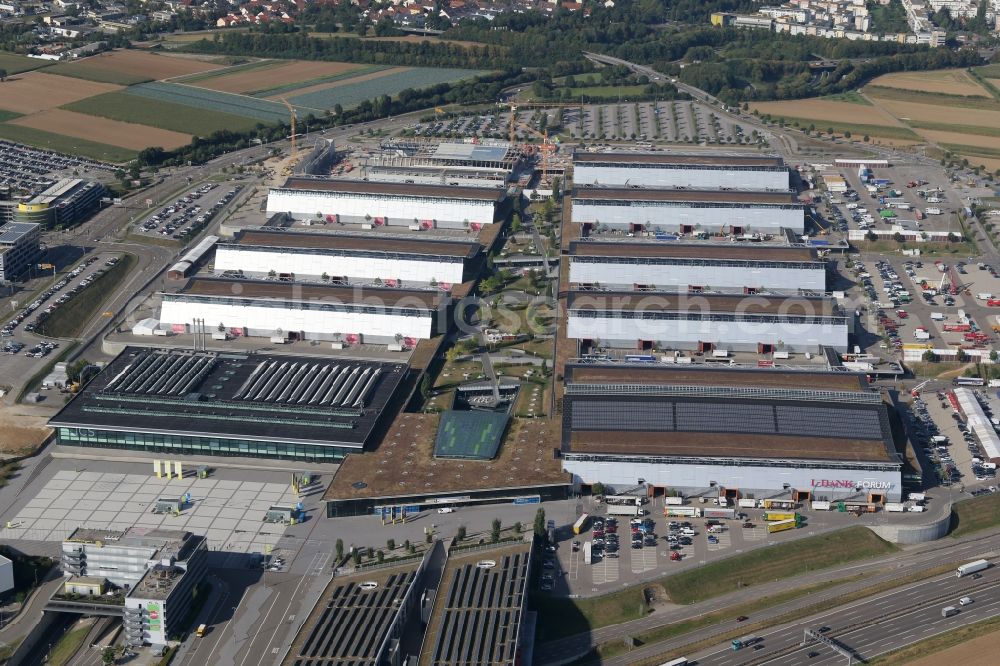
<point x="130" y="66"/>
<point x="36" y="91"/>
<point x="947" y="109"/>
<point x="349" y="94"/>
<point x="102" y="130"/>
<point x="946" y="81"/>
<point x="65" y="144"/>
<point x="111" y="105"/>
<point x="211" y="100"/>
<point x="278" y="74"/>
<point x="130" y="108"/>
<point x="15" y="64"/>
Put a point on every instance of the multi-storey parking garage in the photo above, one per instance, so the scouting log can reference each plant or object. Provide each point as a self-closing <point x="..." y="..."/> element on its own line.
<point x="704" y="322"/>
<point x="729" y="266"/>
<point x="688" y="211"/>
<point x="731" y="432"/>
<point x="348" y="258"/>
<point x="702" y="171"/>
<point x="306" y="311"/>
<point x="387" y="204"/>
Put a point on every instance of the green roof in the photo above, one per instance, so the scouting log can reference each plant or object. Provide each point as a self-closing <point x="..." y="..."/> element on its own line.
<point x="473" y="435"/>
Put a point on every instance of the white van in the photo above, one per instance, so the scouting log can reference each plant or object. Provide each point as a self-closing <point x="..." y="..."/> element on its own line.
<point x="687" y="531"/>
<point x="965" y="601"/>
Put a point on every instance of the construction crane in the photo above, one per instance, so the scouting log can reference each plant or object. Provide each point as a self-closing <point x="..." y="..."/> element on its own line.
<point x="546" y="147"/>
<point x="514" y="106"/>
<point x="291" y="113"/>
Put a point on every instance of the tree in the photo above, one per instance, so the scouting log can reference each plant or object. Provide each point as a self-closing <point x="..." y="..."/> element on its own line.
<point x="340" y="549"/>
<point x="380" y="556"/>
<point x="539" y="526"/>
<point x="929" y="356"/>
<point x="495" y="530"/>
<point x="108" y="654"/>
<point x="356" y="556"/>
<point x="3" y="75"/>
<point x="518" y="527"/>
<point x="961" y="356"/>
<point x="390" y="544"/>
<point x="597" y="488"/>
<point x="460" y="534"/>
<point x="994" y="355"/>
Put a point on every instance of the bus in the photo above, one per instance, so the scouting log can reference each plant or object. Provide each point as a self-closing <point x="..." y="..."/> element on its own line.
<point x="969" y="381"/>
<point x="679" y="661"/>
<point x="581" y="524"/>
<point x="746" y="641"/>
<point x="201" y="630"/>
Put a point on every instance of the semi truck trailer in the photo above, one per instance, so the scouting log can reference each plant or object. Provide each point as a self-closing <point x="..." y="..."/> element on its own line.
<point x="782" y="525"/>
<point x="778" y="515"/>
<point x="972" y="567"/>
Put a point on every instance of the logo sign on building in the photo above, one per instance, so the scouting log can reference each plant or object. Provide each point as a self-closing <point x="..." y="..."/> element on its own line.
<point x="847" y="484"/>
<point x="154" y="616"/>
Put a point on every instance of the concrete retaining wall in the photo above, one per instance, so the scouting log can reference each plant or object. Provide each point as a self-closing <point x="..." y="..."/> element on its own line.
<point x="911" y="534"/>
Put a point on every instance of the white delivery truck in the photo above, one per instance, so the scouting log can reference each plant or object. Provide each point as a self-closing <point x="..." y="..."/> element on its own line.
<point x="933" y="211"/>
<point x="895" y="507"/>
<point x="938" y="316"/>
<point x="624" y="510"/>
<point x="972" y="567"/>
<point x="948" y="611"/>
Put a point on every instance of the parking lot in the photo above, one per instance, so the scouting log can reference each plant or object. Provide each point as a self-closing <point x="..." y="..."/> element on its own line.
<point x="31" y="170"/>
<point x="665" y="548"/>
<point x="189" y="213"/>
<point x="667" y="121"/>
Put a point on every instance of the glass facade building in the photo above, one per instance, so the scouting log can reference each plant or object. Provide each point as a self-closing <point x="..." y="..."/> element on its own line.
<point x="173" y="443"/>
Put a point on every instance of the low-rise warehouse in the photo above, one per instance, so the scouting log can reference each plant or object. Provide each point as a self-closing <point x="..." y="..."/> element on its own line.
<point x="699" y="171"/>
<point x="687" y="211"/>
<point x="705" y="322"/>
<point x="256" y="405"/>
<point x="307" y="311"/>
<point x="387" y="204"/>
<point x="683" y="266"/>
<point x="735" y="431"/>
<point x="348" y="257"/>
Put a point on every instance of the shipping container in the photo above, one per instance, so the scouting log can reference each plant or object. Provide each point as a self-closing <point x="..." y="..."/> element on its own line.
<point x="779" y="515"/>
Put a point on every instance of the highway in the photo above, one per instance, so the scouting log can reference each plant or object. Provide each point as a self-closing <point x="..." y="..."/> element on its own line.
<point x="874" y="626"/>
<point x="892" y="567"/>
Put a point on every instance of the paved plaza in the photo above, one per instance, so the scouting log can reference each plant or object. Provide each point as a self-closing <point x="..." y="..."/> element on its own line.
<point x="229" y="512"/>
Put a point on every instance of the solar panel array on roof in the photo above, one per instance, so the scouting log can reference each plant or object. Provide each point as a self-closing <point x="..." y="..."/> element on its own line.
<point x="306" y="383"/>
<point x="162" y="373"/>
<point x="662" y="415"/>
<point x="352" y="627"/>
<point x="482" y="614"/>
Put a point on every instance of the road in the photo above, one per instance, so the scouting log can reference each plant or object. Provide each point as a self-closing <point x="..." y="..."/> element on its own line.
<point x="874" y="626"/>
<point x="915" y="560"/>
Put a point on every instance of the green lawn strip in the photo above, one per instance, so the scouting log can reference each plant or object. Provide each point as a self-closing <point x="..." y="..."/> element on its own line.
<point x="67" y="646"/>
<point x="856" y="130"/>
<point x="66" y="144"/>
<point x="292" y="87"/>
<point x="943" y="641"/>
<point x="80" y="70"/>
<point x="989" y="71"/>
<point x="974" y="515"/>
<point x="72" y="317"/>
<point x="986" y="85"/>
<point x="765" y="565"/>
<point x="8" y="115"/>
<point x="850" y="97"/>
<point x="607" y="650"/>
<point x="164" y="115"/>
<point x="980" y="130"/>
<point x="560" y="617"/>
<point x="939" y="99"/>
<point x="607" y="92"/>
<point x="226" y="71"/>
<point x="970" y="151"/>
<point x="16" y="64"/>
